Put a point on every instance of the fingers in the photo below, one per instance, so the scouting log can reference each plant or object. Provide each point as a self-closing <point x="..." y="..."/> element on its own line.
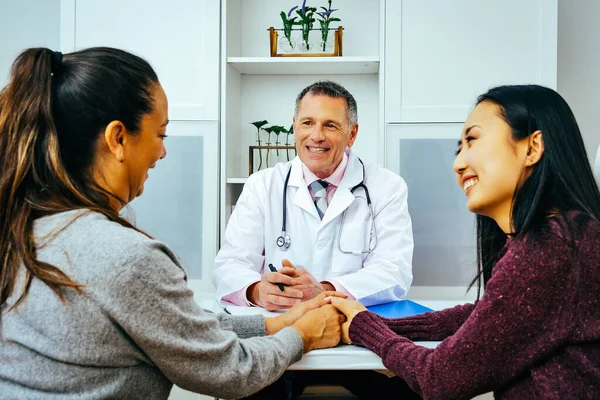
<point x="340" y="304"/>
<point x="278" y="277"/>
<point x="345" y="334"/>
<point x="288" y="271"/>
<point x="348" y="307"/>
<point x="332" y="293"/>
<point x="272" y="298"/>
<point x="273" y="302"/>
<point x="287" y="263"/>
<point x="269" y="288"/>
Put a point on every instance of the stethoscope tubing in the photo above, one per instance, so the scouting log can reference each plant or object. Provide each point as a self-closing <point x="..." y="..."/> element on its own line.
<point x="284" y="241"/>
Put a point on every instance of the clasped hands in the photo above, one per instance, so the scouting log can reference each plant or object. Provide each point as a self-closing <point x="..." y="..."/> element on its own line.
<point x="322" y="317"/>
<point x="299" y="286"/>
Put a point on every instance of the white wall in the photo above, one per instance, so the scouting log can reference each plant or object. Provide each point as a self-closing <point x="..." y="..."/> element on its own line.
<point x="23" y="24"/>
<point x="579" y="65"/>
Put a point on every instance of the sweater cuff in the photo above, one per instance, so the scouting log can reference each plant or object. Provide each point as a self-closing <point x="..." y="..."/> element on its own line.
<point x="294" y="343"/>
<point x="244" y="326"/>
<point x="368" y="329"/>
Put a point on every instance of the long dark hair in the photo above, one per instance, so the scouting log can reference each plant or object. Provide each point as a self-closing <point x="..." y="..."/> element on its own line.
<point x="52" y="113"/>
<point x="561" y="181"/>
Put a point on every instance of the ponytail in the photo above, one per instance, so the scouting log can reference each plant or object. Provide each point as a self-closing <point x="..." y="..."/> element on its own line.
<point x="26" y="127"/>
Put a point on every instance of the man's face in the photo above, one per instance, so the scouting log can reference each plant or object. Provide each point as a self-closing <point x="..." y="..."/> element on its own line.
<point x="322" y="133"/>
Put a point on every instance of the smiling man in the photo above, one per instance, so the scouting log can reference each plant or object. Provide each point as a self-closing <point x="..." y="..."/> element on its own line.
<point x="311" y="221"/>
<point x="324" y="221"/>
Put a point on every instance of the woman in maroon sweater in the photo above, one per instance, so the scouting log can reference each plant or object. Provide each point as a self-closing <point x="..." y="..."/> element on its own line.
<point x="535" y="332"/>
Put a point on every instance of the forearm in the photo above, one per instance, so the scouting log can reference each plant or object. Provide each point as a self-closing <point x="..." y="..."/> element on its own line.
<point x="436" y="325"/>
<point x="244" y="326"/>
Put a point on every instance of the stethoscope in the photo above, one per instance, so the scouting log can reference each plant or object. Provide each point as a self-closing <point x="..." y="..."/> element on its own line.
<point x="284" y="241"/>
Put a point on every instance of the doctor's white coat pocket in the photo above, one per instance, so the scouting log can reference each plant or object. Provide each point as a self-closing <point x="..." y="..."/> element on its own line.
<point x="352" y="246"/>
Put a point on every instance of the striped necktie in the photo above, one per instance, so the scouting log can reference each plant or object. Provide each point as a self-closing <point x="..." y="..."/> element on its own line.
<point x="319" y="189"/>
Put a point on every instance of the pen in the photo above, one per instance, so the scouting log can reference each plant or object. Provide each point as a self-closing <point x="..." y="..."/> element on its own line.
<point x="273" y="269"/>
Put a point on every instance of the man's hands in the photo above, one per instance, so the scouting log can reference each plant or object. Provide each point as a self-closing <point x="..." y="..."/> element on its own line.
<point x="267" y="294"/>
<point x="300" y="285"/>
<point x="305" y="282"/>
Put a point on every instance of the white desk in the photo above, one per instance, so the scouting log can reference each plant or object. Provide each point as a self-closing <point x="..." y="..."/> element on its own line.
<point x="346" y="357"/>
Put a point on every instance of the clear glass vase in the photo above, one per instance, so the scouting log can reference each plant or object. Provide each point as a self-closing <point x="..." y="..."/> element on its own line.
<point x="286" y="45"/>
<point x="304" y="43"/>
<point x="304" y="46"/>
<point x="327" y="45"/>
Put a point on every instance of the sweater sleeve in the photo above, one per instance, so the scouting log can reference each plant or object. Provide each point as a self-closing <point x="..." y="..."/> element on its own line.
<point x="437" y="325"/>
<point x="525" y="313"/>
<point x="194" y="349"/>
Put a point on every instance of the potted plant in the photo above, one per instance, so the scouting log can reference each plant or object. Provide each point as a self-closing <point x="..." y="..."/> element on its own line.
<point x="325" y="20"/>
<point x="306" y="22"/>
<point x="258" y="125"/>
<point x="286" y="43"/>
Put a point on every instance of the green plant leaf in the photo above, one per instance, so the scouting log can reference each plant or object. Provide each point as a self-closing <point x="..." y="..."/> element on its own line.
<point x="259" y="124"/>
<point x="334" y="20"/>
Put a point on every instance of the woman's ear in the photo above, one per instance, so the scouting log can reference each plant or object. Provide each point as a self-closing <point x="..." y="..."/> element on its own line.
<point x="114" y="136"/>
<point x="535" y="149"/>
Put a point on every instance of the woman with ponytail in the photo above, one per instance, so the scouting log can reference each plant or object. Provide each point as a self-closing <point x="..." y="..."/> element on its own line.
<point x="535" y="331"/>
<point x="90" y="306"/>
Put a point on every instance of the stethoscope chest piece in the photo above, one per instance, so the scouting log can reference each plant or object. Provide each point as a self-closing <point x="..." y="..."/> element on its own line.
<point x="284" y="241"/>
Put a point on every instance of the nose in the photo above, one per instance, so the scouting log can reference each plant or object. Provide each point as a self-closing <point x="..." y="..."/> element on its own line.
<point x="459" y="165"/>
<point x="164" y="152"/>
<point x="317" y="133"/>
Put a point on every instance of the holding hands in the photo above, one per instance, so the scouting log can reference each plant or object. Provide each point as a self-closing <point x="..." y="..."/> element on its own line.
<point x="349" y="308"/>
<point x="316" y="320"/>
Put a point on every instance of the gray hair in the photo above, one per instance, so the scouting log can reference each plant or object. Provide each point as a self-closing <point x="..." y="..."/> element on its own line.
<point x="331" y="89"/>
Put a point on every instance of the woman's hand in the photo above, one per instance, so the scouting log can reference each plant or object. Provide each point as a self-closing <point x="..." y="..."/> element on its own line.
<point x="275" y="324"/>
<point x="349" y="308"/>
<point x="320" y="328"/>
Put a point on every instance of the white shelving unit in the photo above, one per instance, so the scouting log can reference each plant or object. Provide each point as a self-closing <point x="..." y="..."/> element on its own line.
<point x="255" y="86"/>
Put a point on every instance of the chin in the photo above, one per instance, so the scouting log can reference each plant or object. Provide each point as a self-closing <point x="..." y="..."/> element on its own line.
<point x="475" y="207"/>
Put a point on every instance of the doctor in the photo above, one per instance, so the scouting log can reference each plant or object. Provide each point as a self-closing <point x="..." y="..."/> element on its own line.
<point x="324" y="221"/>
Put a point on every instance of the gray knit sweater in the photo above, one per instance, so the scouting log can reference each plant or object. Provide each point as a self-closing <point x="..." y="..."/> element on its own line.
<point x="135" y="333"/>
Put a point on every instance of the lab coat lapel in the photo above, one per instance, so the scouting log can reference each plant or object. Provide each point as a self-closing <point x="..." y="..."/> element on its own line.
<point x="343" y="198"/>
<point x="302" y="198"/>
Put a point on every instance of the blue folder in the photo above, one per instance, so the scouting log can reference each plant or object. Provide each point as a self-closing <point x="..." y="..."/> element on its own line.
<point x="399" y="309"/>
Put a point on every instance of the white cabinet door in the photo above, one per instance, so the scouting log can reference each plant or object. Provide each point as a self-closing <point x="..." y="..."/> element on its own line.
<point x="440" y="55"/>
<point x="180" y="38"/>
<point x="443" y="227"/>
<point x="180" y="200"/>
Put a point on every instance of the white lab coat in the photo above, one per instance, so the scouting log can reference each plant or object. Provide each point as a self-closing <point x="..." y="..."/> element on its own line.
<point x="250" y="238"/>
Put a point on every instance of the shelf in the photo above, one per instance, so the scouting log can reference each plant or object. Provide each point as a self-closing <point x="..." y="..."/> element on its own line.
<point x="239" y="181"/>
<point x="305" y="65"/>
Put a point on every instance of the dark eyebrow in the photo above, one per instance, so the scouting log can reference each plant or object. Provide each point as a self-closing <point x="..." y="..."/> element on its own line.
<point x="469" y="129"/>
<point x="165" y="124"/>
<point x="459" y="142"/>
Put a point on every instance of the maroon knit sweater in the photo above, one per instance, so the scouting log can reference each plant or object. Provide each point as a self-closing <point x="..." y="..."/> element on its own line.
<point x="534" y="334"/>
